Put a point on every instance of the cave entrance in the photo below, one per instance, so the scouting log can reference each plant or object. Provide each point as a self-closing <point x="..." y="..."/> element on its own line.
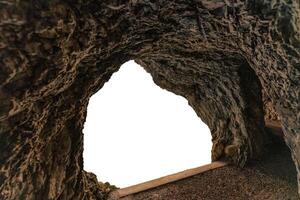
<point x="135" y="131"/>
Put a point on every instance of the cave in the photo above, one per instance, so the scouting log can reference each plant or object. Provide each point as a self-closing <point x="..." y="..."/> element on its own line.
<point x="236" y="62"/>
<point x="148" y="132"/>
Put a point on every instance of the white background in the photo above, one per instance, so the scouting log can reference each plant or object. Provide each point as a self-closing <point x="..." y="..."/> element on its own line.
<point x="136" y="131"/>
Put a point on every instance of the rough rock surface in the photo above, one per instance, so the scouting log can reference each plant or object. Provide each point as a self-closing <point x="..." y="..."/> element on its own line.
<point x="222" y="55"/>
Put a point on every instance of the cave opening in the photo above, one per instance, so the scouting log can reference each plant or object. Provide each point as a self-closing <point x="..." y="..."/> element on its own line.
<point x="135" y="131"/>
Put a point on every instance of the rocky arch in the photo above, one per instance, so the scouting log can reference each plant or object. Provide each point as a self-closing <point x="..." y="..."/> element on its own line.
<point x="231" y="106"/>
<point x="220" y="55"/>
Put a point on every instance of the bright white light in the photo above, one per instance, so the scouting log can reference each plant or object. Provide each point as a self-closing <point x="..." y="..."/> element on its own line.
<point x="135" y="131"/>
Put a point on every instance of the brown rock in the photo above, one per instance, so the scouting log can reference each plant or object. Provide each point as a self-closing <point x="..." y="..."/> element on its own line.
<point x="220" y="55"/>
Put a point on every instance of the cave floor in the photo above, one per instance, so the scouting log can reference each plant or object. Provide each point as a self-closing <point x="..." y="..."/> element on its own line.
<point x="273" y="177"/>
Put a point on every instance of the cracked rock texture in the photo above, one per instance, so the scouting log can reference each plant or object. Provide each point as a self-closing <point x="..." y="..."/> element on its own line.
<point x="235" y="61"/>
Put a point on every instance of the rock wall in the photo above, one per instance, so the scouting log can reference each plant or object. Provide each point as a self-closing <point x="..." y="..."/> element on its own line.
<point x="221" y="55"/>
